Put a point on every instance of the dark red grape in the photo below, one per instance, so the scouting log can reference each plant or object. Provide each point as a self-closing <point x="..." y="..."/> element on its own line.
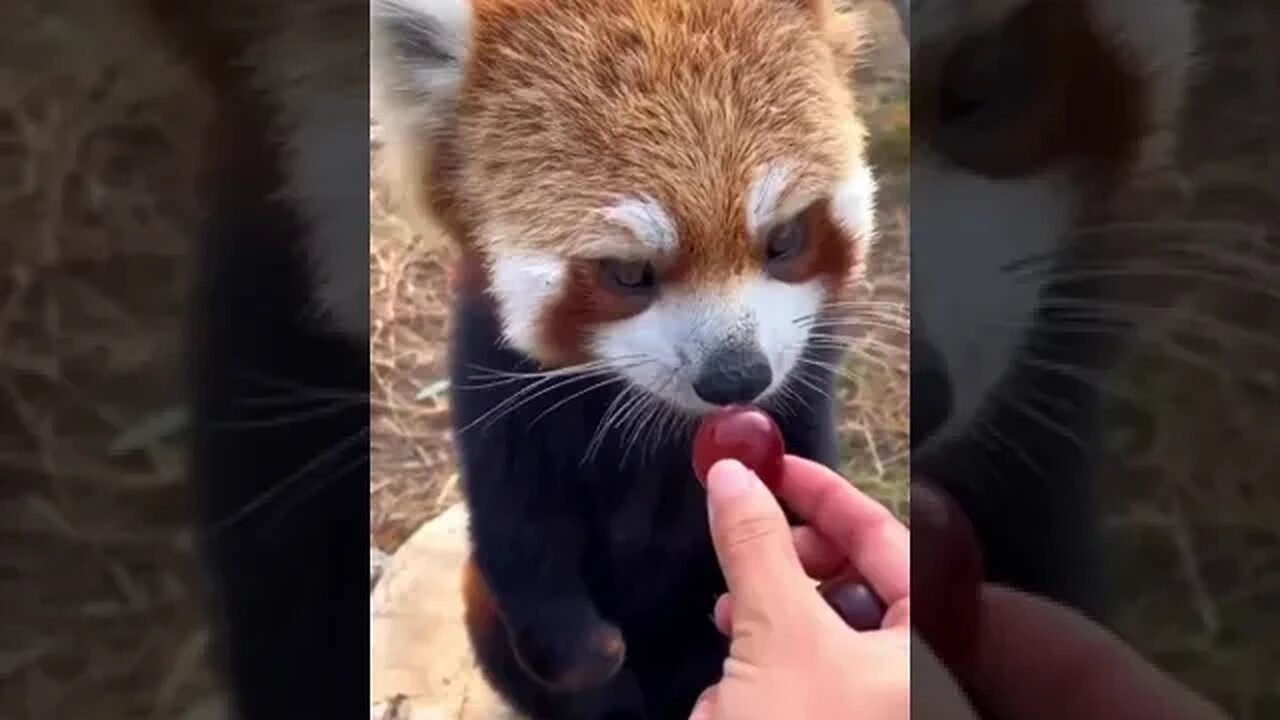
<point x="744" y="433"/>
<point x="855" y="602"/>
<point x="946" y="574"/>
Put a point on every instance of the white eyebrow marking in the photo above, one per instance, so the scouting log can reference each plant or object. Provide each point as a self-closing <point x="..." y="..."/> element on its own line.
<point x="853" y="205"/>
<point x="765" y="196"/>
<point x="647" y="220"/>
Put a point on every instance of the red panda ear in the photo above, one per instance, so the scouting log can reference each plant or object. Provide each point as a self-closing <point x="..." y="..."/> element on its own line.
<point x="418" y="50"/>
<point x="819" y="8"/>
<point x="825" y="9"/>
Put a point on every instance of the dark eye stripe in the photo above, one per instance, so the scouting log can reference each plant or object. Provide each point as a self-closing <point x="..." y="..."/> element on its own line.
<point x="787" y="239"/>
<point x="1042" y="88"/>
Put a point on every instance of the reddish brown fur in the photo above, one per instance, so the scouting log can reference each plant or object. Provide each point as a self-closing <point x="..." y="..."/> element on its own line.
<point x="828" y="256"/>
<point x="568" y="104"/>
<point x="584" y="304"/>
<point x="480" y="613"/>
<point x="248" y="53"/>
<point x="1089" y="110"/>
<point x="467" y="275"/>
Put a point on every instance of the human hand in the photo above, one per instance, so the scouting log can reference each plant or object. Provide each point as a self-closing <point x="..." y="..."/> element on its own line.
<point x="790" y="654"/>
<point x="1038" y="660"/>
<point x="1029" y="658"/>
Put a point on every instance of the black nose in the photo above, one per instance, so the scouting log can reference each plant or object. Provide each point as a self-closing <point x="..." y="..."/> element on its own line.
<point x="733" y="375"/>
<point x="931" y="391"/>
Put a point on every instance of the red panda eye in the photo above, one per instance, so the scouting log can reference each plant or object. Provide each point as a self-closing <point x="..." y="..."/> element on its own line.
<point x="787" y="240"/>
<point x="631" y="276"/>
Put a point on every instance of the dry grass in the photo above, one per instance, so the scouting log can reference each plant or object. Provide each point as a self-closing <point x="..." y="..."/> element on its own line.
<point x="102" y="615"/>
<point x="1194" y="514"/>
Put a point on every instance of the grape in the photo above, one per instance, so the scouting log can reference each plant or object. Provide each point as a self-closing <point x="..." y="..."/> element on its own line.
<point x="750" y="436"/>
<point x="745" y="434"/>
<point x="946" y="571"/>
<point x="855" y="602"/>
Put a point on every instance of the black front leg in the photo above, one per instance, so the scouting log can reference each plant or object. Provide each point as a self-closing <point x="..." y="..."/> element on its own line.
<point x="543" y="645"/>
<point x="1029" y="495"/>
<point x="281" y="465"/>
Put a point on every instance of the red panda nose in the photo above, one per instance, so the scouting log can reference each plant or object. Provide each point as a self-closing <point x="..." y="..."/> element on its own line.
<point x="733" y="374"/>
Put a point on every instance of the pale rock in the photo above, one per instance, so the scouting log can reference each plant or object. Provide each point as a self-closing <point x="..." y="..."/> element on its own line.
<point x="421" y="665"/>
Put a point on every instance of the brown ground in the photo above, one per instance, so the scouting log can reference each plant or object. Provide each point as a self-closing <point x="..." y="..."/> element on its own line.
<point x="101" y="616"/>
<point x="1194" y="517"/>
<point x="101" y="612"/>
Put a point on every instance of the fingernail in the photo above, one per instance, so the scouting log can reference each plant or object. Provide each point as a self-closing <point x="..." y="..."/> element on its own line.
<point x="729" y="478"/>
<point x="702" y="707"/>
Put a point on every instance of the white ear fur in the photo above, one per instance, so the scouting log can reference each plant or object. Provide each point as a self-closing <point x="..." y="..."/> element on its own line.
<point x="418" y="55"/>
<point x="419" y="48"/>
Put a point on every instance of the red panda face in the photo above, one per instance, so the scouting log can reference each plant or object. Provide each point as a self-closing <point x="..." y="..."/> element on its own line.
<point x="1026" y="114"/>
<point x="675" y="189"/>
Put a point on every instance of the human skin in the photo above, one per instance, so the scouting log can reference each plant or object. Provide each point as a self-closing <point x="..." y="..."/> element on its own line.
<point x="791" y="656"/>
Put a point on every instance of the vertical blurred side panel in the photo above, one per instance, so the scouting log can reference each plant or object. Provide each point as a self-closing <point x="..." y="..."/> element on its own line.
<point x="1095" y="323"/>
<point x="279" y="350"/>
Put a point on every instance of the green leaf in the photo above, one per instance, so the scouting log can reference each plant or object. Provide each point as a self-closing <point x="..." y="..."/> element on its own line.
<point x="151" y="429"/>
<point x="432" y="391"/>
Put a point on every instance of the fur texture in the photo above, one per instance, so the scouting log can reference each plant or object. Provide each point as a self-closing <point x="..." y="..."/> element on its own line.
<point x="592" y="566"/>
<point x="545" y="137"/>
<point x="1029" y="116"/>
<point x="660" y="207"/>
<point x="279" y="352"/>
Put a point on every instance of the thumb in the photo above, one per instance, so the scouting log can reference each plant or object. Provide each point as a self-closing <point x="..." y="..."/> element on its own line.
<point x="752" y="538"/>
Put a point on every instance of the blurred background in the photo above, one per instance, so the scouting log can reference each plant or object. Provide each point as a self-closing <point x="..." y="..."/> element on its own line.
<point x="102" y="609"/>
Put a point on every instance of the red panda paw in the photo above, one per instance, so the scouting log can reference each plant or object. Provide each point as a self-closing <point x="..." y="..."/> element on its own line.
<point x="568" y="662"/>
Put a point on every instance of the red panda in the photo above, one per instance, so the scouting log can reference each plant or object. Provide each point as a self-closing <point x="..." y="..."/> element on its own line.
<point x="279" y="325"/>
<point x="661" y="207"/>
<point x="588" y="154"/>
<point x="1029" y="119"/>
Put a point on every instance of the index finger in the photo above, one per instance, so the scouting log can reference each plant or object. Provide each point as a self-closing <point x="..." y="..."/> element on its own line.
<point x="876" y="543"/>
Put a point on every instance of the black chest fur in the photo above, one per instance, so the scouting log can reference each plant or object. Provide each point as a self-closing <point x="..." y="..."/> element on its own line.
<point x="1025" y="471"/>
<point x="559" y="505"/>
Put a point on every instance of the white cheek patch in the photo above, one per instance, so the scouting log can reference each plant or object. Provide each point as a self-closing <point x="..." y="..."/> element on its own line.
<point x="966" y="231"/>
<point x="663" y="349"/>
<point x="524" y="285"/>
<point x="653" y="349"/>
<point x="326" y="159"/>
<point x="782" y="312"/>
<point x="646" y="219"/>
